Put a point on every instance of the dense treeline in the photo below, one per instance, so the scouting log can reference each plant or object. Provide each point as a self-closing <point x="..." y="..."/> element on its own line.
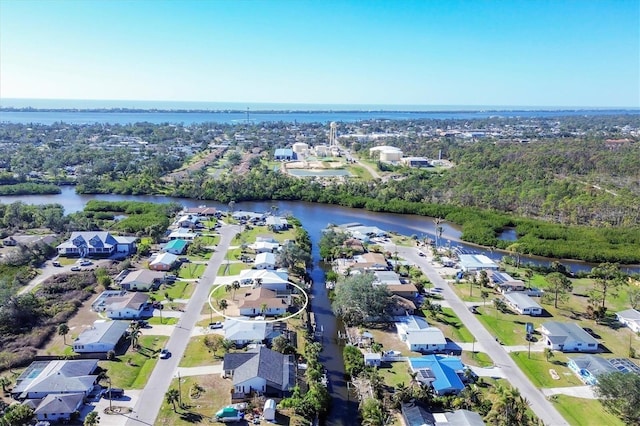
<point x="29" y="188"/>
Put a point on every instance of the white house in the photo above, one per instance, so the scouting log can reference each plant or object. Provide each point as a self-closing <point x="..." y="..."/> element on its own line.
<point x="103" y="337"/>
<point x="265" y="247"/>
<point x="97" y="244"/>
<point x="568" y="337"/>
<point x="142" y="280"/>
<point x="522" y="304"/>
<point x="476" y="262"/>
<point x="265" y="261"/>
<point x="263" y="301"/>
<point x="277" y="280"/>
<point x="243" y="331"/>
<point x="188" y="221"/>
<point x="277" y="223"/>
<point x="59" y="407"/>
<point x="372" y="359"/>
<point x="419" y="336"/>
<point x="42" y="378"/>
<point x="183" y="234"/>
<point x="630" y="318"/>
<point x="128" y="306"/>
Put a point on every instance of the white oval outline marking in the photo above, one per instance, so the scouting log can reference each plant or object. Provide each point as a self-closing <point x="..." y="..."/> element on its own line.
<point x="253" y="321"/>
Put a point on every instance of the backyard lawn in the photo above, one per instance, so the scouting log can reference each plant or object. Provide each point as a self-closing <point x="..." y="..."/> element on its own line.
<point x="249" y="236"/>
<point x="584" y="412"/>
<point x="132" y="370"/>
<point x="394" y="373"/>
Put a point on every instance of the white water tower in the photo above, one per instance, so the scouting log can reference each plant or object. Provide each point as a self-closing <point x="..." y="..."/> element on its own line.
<point x="332" y="134"/>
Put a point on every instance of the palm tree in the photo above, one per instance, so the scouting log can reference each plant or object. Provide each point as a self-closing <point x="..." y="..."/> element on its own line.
<point x="228" y="288"/>
<point x="134" y="333"/>
<point x="257" y="282"/>
<point x="528" y="273"/>
<point x="484" y="294"/>
<point x="172" y="396"/>
<point x="263" y="308"/>
<point x="92" y="419"/>
<point x="63" y="330"/>
<point x="548" y="354"/>
<point x="471" y="397"/>
<point x="223" y="305"/>
<point x="509" y="409"/>
<point x="4" y="382"/>
<point x="235" y="286"/>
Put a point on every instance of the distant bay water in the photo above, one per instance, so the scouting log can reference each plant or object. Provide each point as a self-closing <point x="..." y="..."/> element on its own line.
<point x="48" y="111"/>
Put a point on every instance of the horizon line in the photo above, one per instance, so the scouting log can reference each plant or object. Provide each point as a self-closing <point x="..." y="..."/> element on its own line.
<point x="241" y="105"/>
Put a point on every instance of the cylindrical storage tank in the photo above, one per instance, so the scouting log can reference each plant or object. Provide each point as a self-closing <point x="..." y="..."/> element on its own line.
<point x="390" y="155"/>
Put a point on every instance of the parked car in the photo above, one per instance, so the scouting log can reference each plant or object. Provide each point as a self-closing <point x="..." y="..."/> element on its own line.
<point x="143" y="323"/>
<point x="56" y="264"/>
<point x="164" y="354"/>
<point x="473" y="309"/>
<point x="86" y="263"/>
<point x="76" y="268"/>
<point x="113" y="393"/>
<point x="215" y="325"/>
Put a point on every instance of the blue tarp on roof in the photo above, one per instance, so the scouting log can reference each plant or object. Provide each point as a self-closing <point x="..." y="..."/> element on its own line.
<point x="176" y="245"/>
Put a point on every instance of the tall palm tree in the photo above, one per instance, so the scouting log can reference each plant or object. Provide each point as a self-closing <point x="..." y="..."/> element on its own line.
<point x="235" y="286"/>
<point x="510" y="408"/>
<point x="223" y="305"/>
<point x="263" y="308"/>
<point x="63" y="330"/>
<point x="172" y="396"/>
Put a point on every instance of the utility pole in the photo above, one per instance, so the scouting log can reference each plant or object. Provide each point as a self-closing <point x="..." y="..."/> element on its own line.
<point x="179" y="389"/>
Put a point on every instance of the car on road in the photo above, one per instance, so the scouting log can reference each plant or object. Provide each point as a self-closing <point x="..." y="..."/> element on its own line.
<point x="76" y="268"/>
<point x="86" y="263"/>
<point x="473" y="309"/>
<point x="215" y="325"/>
<point x="421" y="254"/>
<point x="56" y="264"/>
<point x="164" y="354"/>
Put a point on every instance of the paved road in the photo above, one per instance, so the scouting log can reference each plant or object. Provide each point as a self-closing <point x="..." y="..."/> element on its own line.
<point x="539" y="404"/>
<point x="151" y="399"/>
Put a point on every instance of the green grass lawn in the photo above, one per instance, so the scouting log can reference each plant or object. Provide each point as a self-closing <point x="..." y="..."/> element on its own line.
<point x="462" y="290"/>
<point x="509" y="328"/>
<point x="198" y="408"/>
<point x="479" y="359"/>
<point x="177" y="290"/>
<point x="584" y="412"/>
<point x="232" y="268"/>
<point x="197" y="354"/>
<point x="249" y="235"/>
<point x="537" y="369"/>
<point x="397" y="373"/>
<point x="191" y="270"/>
<point x="132" y="370"/>
<point x="210" y="239"/>
<point x="165" y="321"/>
<point x="234" y="254"/>
<point x="451" y="326"/>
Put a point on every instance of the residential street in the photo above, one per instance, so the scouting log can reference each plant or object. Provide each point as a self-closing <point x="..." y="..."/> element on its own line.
<point x="539" y="404"/>
<point x="152" y="397"/>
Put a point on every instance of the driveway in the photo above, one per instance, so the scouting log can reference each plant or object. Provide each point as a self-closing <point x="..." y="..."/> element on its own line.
<point x="539" y="403"/>
<point x="129" y="399"/>
<point x="148" y="405"/>
<point x="577" y="391"/>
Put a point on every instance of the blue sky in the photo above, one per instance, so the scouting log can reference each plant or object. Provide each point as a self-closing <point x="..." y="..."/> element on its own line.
<point x="502" y="52"/>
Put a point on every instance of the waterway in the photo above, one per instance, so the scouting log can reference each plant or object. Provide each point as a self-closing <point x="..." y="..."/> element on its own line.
<point x="294" y="116"/>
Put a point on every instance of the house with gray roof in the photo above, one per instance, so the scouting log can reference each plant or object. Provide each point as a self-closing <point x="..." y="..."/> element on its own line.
<point x="630" y="318"/>
<point x="243" y="330"/>
<point x="589" y="367"/>
<point x="97" y="244"/>
<point x="59" y="407"/>
<point x="260" y="370"/>
<point x="102" y="337"/>
<point x="131" y="305"/>
<point x="42" y="378"/>
<point x="142" y="280"/>
<point x="522" y="304"/>
<point x="568" y="337"/>
<point x="416" y="333"/>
